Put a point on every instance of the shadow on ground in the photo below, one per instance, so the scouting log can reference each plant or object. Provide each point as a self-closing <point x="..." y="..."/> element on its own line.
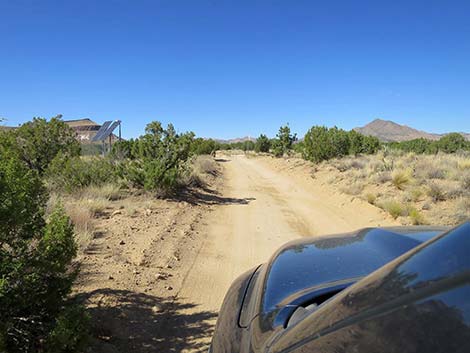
<point x="125" y="321"/>
<point x="207" y="196"/>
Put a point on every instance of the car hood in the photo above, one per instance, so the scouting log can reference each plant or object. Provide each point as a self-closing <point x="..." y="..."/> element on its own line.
<point x="308" y="268"/>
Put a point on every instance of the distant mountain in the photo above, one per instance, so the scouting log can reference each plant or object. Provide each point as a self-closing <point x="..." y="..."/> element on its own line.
<point x="235" y="140"/>
<point x="386" y="130"/>
<point x="5" y="128"/>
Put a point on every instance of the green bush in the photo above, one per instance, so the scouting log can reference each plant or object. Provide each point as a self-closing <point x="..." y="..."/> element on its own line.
<point x="452" y="143"/>
<point x="38" y="142"/>
<point x="69" y="174"/>
<point x="321" y="143"/>
<point x="202" y="146"/>
<point x="263" y="144"/>
<point x="283" y="142"/>
<point x="449" y="143"/>
<point x="155" y="161"/>
<point x="394" y="208"/>
<point x="35" y="267"/>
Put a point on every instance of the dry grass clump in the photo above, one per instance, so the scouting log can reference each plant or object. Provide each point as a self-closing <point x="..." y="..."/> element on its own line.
<point x="201" y="168"/>
<point x="462" y="210"/>
<point x="416" y="217"/>
<point x="383" y="177"/>
<point x="349" y="163"/>
<point x="393" y="207"/>
<point x="436" y="192"/>
<point x="400" y="179"/>
<point x="82" y="210"/>
<point x="96" y="205"/>
<point x="352" y="189"/>
<point x="110" y="192"/>
<point x="82" y="218"/>
<point x="416" y="194"/>
<point x="465" y="181"/>
<point x="205" y="165"/>
<point x="371" y="198"/>
<point x="418" y="188"/>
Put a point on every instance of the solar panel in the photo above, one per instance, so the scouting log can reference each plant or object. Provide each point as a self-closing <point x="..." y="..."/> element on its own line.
<point x="102" y="130"/>
<point x="110" y="129"/>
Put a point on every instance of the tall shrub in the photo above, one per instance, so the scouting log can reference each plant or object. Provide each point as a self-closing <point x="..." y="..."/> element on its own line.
<point x="38" y="142"/>
<point x="35" y="267"/>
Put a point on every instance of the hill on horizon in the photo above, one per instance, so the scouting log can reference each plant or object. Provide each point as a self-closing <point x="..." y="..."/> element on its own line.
<point x="389" y="131"/>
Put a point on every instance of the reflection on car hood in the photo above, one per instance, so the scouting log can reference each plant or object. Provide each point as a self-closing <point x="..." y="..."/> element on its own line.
<point x="313" y="262"/>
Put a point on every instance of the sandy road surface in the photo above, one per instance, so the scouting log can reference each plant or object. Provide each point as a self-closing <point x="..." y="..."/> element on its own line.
<point x="156" y="271"/>
<point x="265" y="208"/>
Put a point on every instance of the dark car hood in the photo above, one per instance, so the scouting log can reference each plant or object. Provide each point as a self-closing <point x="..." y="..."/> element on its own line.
<point x="314" y="265"/>
<point x="309" y="263"/>
<point x="416" y="303"/>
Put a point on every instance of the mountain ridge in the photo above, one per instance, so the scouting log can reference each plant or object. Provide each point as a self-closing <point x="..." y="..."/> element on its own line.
<point x="390" y="131"/>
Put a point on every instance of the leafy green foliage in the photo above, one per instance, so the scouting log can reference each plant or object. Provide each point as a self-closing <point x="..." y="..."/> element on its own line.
<point x="202" y="146"/>
<point x="452" y="143"/>
<point x="449" y="143"/>
<point x="35" y="267"/>
<point x="38" y="142"/>
<point x="321" y="143"/>
<point x="71" y="173"/>
<point x="262" y="144"/>
<point x="283" y="142"/>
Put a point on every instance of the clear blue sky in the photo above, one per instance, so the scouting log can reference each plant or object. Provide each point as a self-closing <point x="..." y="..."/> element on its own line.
<point x="235" y="68"/>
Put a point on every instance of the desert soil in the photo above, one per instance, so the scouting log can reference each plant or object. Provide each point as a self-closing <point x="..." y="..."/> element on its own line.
<point x="154" y="279"/>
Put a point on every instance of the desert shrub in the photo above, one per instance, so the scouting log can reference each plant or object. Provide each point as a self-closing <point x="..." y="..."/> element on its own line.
<point x="345" y="164"/>
<point x="400" y="179"/>
<point x="361" y="144"/>
<point x="435" y="192"/>
<point x="35" y="268"/>
<point x="465" y="181"/>
<point x="283" y="142"/>
<point x="394" y="208"/>
<point x="262" y="144"/>
<point x="371" y="198"/>
<point x="159" y="176"/>
<point x="132" y="173"/>
<point x="435" y="173"/>
<point x="352" y="189"/>
<point x="322" y="143"/>
<point x="204" y="165"/>
<point x="70" y="174"/>
<point x="200" y="168"/>
<point x="462" y="210"/>
<point x="416" y="217"/>
<point x="202" y="146"/>
<point x="426" y="206"/>
<point x="416" y="194"/>
<point x="108" y="191"/>
<point x="452" y="143"/>
<point x="39" y="141"/>
<point x="158" y="159"/>
<point x="90" y="149"/>
<point x="419" y="145"/>
<point x="456" y="192"/>
<point x="81" y="217"/>
<point x="383" y="177"/>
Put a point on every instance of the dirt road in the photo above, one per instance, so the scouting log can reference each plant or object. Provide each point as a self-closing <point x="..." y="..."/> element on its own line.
<point x="154" y="279"/>
<point x="265" y="209"/>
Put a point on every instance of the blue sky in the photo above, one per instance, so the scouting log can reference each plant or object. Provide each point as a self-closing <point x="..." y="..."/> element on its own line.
<point x="234" y="68"/>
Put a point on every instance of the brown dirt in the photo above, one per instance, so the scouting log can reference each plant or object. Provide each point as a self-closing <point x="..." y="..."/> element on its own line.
<point x="154" y="281"/>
